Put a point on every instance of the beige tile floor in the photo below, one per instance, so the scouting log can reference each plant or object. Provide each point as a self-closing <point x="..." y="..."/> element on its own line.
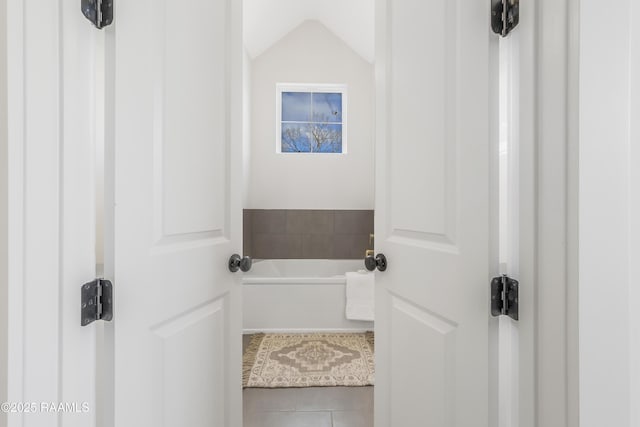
<point x="308" y="407"/>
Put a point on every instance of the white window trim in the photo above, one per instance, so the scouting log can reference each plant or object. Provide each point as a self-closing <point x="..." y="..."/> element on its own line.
<point x="310" y="87"/>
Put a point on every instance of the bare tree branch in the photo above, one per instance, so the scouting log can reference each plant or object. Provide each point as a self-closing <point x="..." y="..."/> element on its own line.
<point x="292" y="140"/>
<point x="319" y="136"/>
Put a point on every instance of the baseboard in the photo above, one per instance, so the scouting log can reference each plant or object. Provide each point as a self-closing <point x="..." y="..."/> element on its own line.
<point x="303" y="330"/>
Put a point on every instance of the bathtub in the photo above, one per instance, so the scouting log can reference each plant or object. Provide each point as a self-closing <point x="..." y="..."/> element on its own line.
<point x="298" y="295"/>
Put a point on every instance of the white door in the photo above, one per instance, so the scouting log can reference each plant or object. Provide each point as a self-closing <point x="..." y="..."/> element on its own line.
<point x="178" y="148"/>
<point x="432" y="212"/>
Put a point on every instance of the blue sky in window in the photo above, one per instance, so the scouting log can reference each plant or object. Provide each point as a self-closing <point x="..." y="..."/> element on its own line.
<point x="296" y="106"/>
<point x="328" y="138"/>
<point x="295" y="138"/>
<point x="320" y="117"/>
<point x="327" y="107"/>
<point x="311" y="137"/>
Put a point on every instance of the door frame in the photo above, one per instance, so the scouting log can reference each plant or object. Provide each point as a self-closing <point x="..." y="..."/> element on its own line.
<point x="547" y="57"/>
<point x="50" y="209"/>
<point x="548" y="48"/>
<point x="4" y="210"/>
<point x="548" y="129"/>
<point x="556" y="335"/>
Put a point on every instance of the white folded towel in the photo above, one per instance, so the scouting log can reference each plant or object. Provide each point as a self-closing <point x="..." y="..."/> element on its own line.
<point x="360" y="295"/>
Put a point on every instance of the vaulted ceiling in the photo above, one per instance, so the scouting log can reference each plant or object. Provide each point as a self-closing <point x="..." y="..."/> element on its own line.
<point x="267" y="21"/>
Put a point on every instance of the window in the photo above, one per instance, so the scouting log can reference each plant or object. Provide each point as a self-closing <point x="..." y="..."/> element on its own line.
<point x="311" y="118"/>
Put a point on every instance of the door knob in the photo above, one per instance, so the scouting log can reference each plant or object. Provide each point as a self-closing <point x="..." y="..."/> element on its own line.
<point x="236" y="262"/>
<point x="379" y="262"/>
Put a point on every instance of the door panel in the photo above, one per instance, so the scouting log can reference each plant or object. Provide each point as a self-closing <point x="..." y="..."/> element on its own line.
<point x="432" y="212"/>
<point x="435" y="352"/>
<point x="177" y="213"/>
<point x="188" y="397"/>
<point x="191" y="115"/>
<point x="422" y="118"/>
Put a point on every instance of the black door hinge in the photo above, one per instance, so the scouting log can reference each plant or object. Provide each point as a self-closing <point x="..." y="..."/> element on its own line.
<point x="96" y="301"/>
<point x="505" y="15"/>
<point x="99" y="12"/>
<point x="504" y="297"/>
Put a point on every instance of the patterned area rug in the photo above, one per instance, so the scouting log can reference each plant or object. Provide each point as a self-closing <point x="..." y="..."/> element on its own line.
<point x="309" y="360"/>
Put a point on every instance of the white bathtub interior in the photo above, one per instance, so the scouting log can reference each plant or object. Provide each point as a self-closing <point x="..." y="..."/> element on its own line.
<point x="295" y="295"/>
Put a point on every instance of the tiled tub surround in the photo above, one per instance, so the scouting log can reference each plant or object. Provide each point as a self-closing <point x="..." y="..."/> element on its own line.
<point x="307" y="234"/>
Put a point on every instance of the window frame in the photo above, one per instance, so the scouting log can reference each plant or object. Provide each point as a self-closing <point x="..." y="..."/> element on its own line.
<point x="310" y="88"/>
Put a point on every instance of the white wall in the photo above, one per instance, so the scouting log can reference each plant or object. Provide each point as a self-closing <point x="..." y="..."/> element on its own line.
<point x="609" y="210"/>
<point x="311" y="54"/>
